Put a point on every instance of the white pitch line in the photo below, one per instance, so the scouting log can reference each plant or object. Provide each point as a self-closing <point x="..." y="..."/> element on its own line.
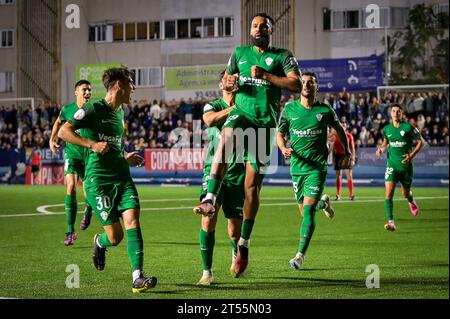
<point x="290" y="203"/>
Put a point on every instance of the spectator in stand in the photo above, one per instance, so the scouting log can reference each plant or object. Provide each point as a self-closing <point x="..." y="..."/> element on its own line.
<point x="155" y="111"/>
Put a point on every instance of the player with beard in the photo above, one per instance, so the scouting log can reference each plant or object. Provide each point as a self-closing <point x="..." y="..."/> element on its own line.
<point x="260" y="73"/>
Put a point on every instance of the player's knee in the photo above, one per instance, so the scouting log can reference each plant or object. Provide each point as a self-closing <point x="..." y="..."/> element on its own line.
<point x="71" y="189"/>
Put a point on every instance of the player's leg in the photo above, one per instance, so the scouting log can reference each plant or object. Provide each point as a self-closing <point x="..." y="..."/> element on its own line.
<point x="219" y="167"/>
<point x="389" y="205"/>
<point x="233" y="202"/>
<point x="71" y="208"/>
<point x="207" y="242"/>
<point x="407" y="193"/>
<point x="309" y="194"/>
<point x="252" y="187"/>
<point x="87" y="216"/>
<point x="338" y="184"/>
<point x="350" y="183"/>
<point x="128" y="204"/>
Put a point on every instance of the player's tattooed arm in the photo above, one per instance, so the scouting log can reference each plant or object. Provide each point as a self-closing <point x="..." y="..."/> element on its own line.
<point x="67" y="133"/>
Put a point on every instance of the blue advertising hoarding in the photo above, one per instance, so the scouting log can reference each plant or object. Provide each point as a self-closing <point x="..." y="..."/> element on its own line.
<point x="355" y="74"/>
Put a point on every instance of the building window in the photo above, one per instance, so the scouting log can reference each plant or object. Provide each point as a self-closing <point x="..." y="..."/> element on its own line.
<point x="225" y="27"/>
<point x="6" y="38"/>
<point x="6" y="2"/>
<point x="326" y="19"/>
<point x="141" y="30"/>
<point x="208" y="27"/>
<point x="196" y="28"/>
<point x="154" y="31"/>
<point x="182" y="29"/>
<point x="101" y="33"/>
<point x="118" y="31"/>
<point x="6" y="82"/>
<point x="130" y="31"/>
<point x="147" y="76"/>
<point x="169" y="29"/>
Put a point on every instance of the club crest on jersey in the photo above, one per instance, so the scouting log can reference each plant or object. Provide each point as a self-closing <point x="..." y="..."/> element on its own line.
<point x="402" y="133"/>
<point x="319" y="117"/>
<point x="269" y="61"/>
<point x="79" y="115"/>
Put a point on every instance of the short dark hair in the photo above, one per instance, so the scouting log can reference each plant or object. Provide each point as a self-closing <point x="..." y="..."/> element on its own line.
<point x="81" y="82"/>
<point x="399" y="106"/>
<point x="264" y="15"/>
<point x="311" y="74"/>
<point x="110" y="76"/>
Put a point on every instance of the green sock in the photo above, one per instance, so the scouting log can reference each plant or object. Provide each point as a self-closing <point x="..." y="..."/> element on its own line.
<point x="410" y="198"/>
<point x="389" y="204"/>
<point x="207" y="241"/>
<point x="307" y="228"/>
<point x="214" y="185"/>
<point x="247" y="227"/>
<point x="233" y="247"/>
<point x="103" y="240"/>
<point x="71" y="212"/>
<point x="135" y="248"/>
<point x="321" y="204"/>
<point x="88" y="210"/>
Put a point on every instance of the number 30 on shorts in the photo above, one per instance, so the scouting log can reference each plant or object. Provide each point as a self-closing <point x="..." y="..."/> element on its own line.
<point x="388" y="172"/>
<point x="103" y="202"/>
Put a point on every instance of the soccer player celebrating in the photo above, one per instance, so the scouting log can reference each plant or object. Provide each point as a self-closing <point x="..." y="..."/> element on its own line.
<point x="231" y="194"/>
<point x="399" y="136"/>
<point x="73" y="162"/>
<point x="109" y="187"/>
<point x="338" y="154"/>
<point x="307" y="121"/>
<point x="262" y="72"/>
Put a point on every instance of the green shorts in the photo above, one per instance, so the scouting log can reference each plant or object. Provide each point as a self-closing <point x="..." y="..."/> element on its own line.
<point x="74" y="166"/>
<point x="257" y="141"/>
<point x="109" y="201"/>
<point x="230" y="197"/>
<point x="310" y="185"/>
<point x="405" y="177"/>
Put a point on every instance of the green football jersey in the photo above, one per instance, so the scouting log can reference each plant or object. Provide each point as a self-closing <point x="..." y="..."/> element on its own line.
<point x="400" y="141"/>
<point x="70" y="150"/>
<point x="257" y="98"/>
<point x="307" y="129"/>
<point x="102" y="124"/>
<point x="236" y="170"/>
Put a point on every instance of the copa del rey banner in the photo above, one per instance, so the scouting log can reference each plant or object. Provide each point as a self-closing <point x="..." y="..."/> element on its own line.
<point x="176" y="159"/>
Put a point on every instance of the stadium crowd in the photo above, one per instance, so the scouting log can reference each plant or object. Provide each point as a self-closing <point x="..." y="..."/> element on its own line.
<point x="152" y="125"/>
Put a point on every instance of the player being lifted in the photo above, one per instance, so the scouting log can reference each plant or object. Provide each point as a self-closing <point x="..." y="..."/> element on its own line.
<point x="399" y="137"/>
<point x="73" y="162"/>
<point x="307" y="121"/>
<point x="263" y="71"/>
<point x="109" y="187"/>
<point x="231" y="193"/>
